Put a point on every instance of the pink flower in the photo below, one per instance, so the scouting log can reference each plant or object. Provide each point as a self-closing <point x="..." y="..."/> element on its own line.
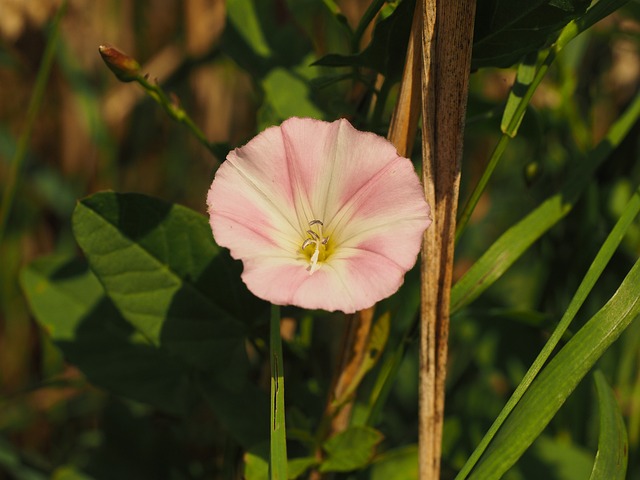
<point x="321" y="215"/>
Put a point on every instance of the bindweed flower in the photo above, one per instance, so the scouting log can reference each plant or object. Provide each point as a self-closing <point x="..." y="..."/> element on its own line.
<point x="323" y="216"/>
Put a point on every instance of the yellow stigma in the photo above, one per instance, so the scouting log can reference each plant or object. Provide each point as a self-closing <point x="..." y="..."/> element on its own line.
<point x="319" y="242"/>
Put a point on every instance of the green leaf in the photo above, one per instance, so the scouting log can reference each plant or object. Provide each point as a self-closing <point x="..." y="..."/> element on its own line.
<point x="398" y="464"/>
<point x="336" y="11"/>
<point x="256" y="465"/>
<point x="243" y="15"/>
<point x="350" y="450"/>
<point x="515" y="241"/>
<point x="286" y="95"/>
<point x="559" y="378"/>
<point x="596" y="268"/>
<point x="386" y="52"/>
<point x="613" y="445"/>
<point x="506" y="31"/>
<point x="277" y="429"/>
<point x="69" y="303"/>
<point x="160" y="267"/>
<point x="298" y="466"/>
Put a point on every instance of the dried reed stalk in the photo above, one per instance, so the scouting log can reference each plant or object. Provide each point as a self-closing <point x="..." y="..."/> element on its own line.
<point x="402" y="132"/>
<point x="446" y="55"/>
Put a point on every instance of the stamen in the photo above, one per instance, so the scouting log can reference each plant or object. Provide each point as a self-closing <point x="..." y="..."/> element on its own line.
<point x="316" y="239"/>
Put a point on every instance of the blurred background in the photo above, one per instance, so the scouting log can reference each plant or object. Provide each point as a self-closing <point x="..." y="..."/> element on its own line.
<point x="93" y="132"/>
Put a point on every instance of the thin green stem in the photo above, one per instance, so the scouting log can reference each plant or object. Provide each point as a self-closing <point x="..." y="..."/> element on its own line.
<point x="482" y="184"/>
<point x="32" y="113"/>
<point x="179" y="115"/>
<point x="502" y="145"/>
<point x="569" y="32"/>
<point x="595" y="270"/>
<point x="278" y="444"/>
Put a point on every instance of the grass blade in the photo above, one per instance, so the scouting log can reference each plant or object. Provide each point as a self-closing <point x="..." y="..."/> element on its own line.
<point x="613" y="446"/>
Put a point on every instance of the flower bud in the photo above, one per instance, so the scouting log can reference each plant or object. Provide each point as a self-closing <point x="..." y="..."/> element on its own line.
<point x="126" y="68"/>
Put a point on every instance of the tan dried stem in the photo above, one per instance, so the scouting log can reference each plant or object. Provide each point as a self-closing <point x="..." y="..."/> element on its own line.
<point x="402" y="132"/>
<point x="446" y="55"/>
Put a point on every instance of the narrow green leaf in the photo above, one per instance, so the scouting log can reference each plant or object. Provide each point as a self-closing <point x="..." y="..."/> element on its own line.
<point x="159" y="265"/>
<point x="256" y="466"/>
<point x="243" y="15"/>
<point x="559" y="378"/>
<point x="596" y="12"/>
<point x="336" y="11"/>
<point x="613" y="445"/>
<point x="524" y="77"/>
<point x="350" y="450"/>
<point x="515" y="241"/>
<point x="278" y="438"/>
<point x="595" y="270"/>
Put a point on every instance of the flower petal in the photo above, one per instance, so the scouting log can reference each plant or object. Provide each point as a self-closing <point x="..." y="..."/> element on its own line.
<point x="387" y="215"/>
<point x="250" y="202"/>
<point x="368" y="198"/>
<point x="329" y="162"/>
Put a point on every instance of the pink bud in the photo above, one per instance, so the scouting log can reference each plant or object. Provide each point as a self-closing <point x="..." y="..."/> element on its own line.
<point x="127" y="69"/>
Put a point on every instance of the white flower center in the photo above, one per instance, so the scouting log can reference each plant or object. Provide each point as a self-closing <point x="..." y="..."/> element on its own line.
<point x="318" y="241"/>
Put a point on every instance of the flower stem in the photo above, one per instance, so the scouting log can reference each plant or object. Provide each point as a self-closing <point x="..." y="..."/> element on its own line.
<point x="127" y="69"/>
<point x="32" y="113"/>
<point x="278" y="444"/>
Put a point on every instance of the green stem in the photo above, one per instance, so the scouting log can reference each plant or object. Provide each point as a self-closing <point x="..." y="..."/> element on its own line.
<point x="502" y="145"/>
<point x="32" y="112"/>
<point x="569" y="32"/>
<point x="278" y="444"/>
<point x="179" y="115"/>
<point x="595" y="270"/>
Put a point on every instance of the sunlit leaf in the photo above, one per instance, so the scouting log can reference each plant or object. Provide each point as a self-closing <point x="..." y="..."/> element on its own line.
<point x="559" y="378"/>
<point x="398" y="464"/>
<point x="613" y="445"/>
<point x="515" y="241"/>
<point x="351" y="449"/>
<point x="159" y="265"/>
<point x="70" y="304"/>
